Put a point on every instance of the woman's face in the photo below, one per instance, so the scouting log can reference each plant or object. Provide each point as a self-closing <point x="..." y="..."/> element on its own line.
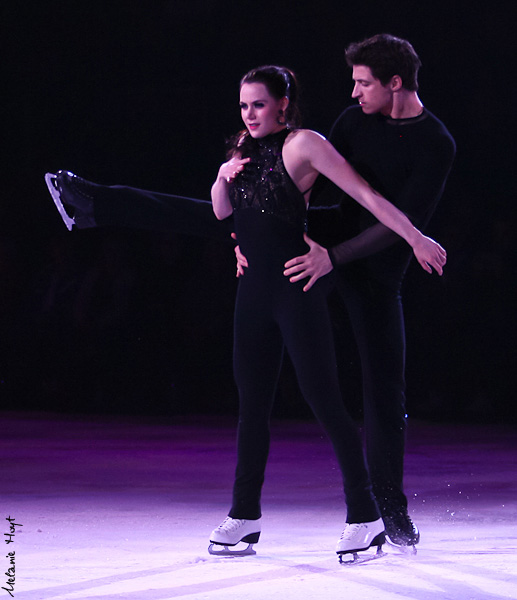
<point x="260" y="111"/>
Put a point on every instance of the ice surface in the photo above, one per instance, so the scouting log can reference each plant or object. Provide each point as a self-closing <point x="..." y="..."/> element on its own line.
<point x="122" y="508"/>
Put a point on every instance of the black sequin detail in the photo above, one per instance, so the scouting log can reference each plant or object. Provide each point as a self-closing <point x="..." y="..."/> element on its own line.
<point x="265" y="185"/>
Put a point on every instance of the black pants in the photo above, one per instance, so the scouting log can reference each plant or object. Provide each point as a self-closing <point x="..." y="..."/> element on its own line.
<point x="377" y="319"/>
<point x="122" y="206"/>
<point x="271" y="313"/>
<point x="375" y="311"/>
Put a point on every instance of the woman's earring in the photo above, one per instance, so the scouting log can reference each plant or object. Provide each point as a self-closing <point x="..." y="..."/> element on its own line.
<point x="281" y="118"/>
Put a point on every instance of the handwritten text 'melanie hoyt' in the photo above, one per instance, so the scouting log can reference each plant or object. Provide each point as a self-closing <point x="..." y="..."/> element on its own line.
<point x="10" y="573"/>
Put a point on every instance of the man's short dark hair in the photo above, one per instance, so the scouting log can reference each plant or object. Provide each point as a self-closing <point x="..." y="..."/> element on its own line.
<point x="386" y="55"/>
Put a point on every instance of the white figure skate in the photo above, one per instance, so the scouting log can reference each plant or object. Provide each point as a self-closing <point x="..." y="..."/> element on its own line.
<point x="357" y="537"/>
<point x="230" y="533"/>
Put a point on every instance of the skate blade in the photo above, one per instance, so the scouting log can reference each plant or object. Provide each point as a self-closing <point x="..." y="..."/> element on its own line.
<point x="229" y="551"/>
<point x="408" y="550"/>
<point x="49" y="179"/>
<point x="358" y="559"/>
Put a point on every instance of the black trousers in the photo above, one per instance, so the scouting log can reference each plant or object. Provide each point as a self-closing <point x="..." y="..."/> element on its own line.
<point x="122" y="206"/>
<point x="377" y="319"/>
<point x="271" y="313"/>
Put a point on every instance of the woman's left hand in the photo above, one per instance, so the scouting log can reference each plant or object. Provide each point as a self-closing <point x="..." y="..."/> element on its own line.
<point x="430" y="254"/>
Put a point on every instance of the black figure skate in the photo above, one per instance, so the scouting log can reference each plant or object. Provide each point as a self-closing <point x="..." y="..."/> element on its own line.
<point x="73" y="197"/>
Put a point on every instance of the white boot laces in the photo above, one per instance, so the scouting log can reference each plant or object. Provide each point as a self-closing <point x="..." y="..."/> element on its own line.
<point x="230" y="524"/>
<point x="351" y="530"/>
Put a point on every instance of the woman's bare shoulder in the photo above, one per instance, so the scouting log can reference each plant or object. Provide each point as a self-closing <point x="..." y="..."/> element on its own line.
<point x="305" y="136"/>
<point x="304" y="142"/>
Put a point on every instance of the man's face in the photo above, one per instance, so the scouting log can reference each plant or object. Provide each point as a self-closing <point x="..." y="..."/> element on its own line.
<point x="372" y="95"/>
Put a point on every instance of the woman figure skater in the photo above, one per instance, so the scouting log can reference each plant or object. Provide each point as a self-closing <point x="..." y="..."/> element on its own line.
<point x="266" y="185"/>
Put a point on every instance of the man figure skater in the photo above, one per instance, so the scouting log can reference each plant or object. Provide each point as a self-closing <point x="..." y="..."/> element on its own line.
<point x="405" y="153"/>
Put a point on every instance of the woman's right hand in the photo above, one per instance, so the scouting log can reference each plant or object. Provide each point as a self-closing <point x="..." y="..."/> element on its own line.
<point x="227" y="173"/>
<point x="429" y="254"/>
<point x="230" y="169"/>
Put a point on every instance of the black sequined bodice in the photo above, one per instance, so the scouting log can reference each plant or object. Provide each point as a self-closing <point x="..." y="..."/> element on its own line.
<point x="265" y="185"/>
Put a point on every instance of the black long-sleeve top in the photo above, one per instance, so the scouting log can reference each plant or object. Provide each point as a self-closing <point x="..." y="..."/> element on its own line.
<point x="407" y="161"/>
